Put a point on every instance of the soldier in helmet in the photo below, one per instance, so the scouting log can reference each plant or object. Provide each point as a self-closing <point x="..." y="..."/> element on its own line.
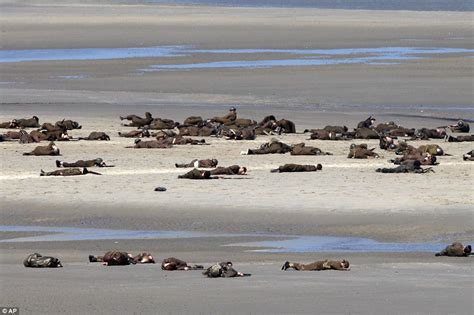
<point x="460" y="126"/>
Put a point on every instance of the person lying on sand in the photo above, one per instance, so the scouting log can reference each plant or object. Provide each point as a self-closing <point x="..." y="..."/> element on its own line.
<point x="469" y="156"/>
<point x="116" y="258"/>
<point x="424" y="158"/>
<point x="32" y="122"/>
<point x="340" y="265"/>
<point x="460" y="126"/>
<point x="224" y="270"/>
<point x="456" y="249"/>
<point x="236" y="134"/>
<point x="44" y="135"/>
<point x="152" y="144"/>
<point x="39" y="261"/>
<point x="410" y="166"/>
<point x="207" y="163"/>
<point x="321" y="134"/>
<point x="272" y="147"/>
<point x="141" y="133"/>
<point x="229" y="118"/>
<point x="198" y="174"/>
<point x="170" y="264"/>
<point x="428" y="133"/>
<point x="99" y="162"/>
<point x="361" y="151"/>
<point x="368" y="123"/>
<point x="292" y="168"/>
<point x="137" y="121"/>
<point x="180" y="140"/>
<point x="96" y="135"/>
<point x="69" y="172"/>
<point x="50" y="149"/>
<point x="231" y="170"/>
<point x="302" y="149"/>
<point x="9" y="124"/>
<point x="459" y="138"/>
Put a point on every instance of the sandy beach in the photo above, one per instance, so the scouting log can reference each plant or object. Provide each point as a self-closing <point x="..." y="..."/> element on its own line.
<point x="347" y="198"/>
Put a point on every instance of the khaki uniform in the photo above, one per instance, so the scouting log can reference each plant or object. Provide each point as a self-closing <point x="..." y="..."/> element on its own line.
<point x="227" y="119"/>
<point x="290" y="168"/>
<point x="319" y="265"/>
<point x="197" y="174"/>
<point x="461" y="138"/>
<point x="231" y="170"/>
<point x="302" y="149"/>
<point x="172" y="263"/>
<point x="65" y="172"/>
<point x="153" y="144"/>
<point x="456" y="249"/>
<point x="114" y="258"/>
<point x="272" y="147"/>
<point x="84" y="163"/>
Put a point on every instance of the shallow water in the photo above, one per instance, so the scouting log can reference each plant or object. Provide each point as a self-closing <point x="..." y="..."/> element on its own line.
<point x="292" y="244"/>
<point x="88" y="53"/>
<point x="310" y="244"/>
<point x="239" y="57"/>
<point x="312" y="57"/>
<point x="82" y="234"/>
<point x="255" y="64"/>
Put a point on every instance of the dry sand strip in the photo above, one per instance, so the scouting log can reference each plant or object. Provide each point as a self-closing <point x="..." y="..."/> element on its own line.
<point x="115" y="172"/>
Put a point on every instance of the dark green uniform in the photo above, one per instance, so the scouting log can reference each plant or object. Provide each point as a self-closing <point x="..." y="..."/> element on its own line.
<point x="290" y="168"/>
<point x="38" y="261"/>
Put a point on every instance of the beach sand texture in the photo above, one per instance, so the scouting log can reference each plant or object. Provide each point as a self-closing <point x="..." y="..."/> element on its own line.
<point x="347" y="198"/>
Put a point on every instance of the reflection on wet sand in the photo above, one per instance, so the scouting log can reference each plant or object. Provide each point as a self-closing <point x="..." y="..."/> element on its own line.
<point x="281" y="244"/>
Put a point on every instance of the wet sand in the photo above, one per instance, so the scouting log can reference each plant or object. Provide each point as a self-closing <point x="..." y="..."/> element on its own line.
<point x="346" y="199"/>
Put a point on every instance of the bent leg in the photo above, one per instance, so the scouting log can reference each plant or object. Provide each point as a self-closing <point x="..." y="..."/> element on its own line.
<point x="93" y="258"/>
<point x="291" y="265"/>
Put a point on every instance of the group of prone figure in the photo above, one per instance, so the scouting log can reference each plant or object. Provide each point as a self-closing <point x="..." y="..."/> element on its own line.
<point x="218" y="270"/>
<point x="411" y="160"/>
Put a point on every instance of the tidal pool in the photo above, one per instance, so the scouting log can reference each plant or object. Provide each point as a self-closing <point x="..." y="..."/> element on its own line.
<point x="281" y="244"/>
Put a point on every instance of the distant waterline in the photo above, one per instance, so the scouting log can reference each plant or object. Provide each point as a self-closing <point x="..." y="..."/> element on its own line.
<point x="282" y="243"/>
<point x="239" y="58"/>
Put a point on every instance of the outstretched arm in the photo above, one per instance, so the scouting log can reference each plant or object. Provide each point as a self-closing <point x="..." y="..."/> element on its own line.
<point x="92" y="172"/>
